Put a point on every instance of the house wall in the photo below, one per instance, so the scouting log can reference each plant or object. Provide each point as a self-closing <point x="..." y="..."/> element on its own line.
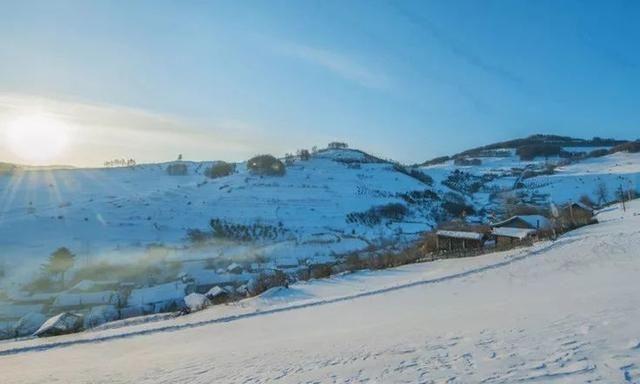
<point x="450" y="243"/>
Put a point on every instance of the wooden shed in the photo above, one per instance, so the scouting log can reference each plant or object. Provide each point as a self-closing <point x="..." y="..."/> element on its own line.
<point x="507" y="237"/>
<point x="537" y="222"/>
<point x="576" y="215"/>
<point x="457" y="240"/>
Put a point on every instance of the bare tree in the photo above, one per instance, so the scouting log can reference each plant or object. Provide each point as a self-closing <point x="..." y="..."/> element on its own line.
<point x="602" y="193"/>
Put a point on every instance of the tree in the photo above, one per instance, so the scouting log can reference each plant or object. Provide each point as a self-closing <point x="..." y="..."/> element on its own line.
<point x="602" y="193"/>
<point x="304" y="154"/>
<point x="60" y="261"/>
<point x="266" y="165"/>
<point x="337" y="145"/>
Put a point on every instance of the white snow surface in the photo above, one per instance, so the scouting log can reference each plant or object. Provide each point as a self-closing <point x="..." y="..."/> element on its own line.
<point x="564" y="311"/>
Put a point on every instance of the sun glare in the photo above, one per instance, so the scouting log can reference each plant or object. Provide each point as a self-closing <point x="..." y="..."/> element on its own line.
<point x="37" y="138"/>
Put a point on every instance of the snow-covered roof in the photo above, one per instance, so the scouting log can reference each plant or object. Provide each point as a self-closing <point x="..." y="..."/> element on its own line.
<point x="85" y="298"/>
<point x="460" y="234"/>
<point x="14" y="311"/>
<point x="157" y="294"/>
<point x="88" y="285"/>
<point x="517" y="233"/>
<point x="581" y="205"/>
<point x="534" y="221"/>
<point x="215" y="291"/>
<point x="234" y="267"/>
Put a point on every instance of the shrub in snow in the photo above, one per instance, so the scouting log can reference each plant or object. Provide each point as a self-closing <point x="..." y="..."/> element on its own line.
<point x="197" y="235"/>
<point x="631" y="147"/>
<point x="219" y="169"/>
<point x="196" y="302"/>
<point x="217" y="295"/>
<point x="243" y="232"/>
<point x="266" y="165"/>
<point x="374" y="215"/>
<point x="177" y="169"/>
<point x="61" y="324"/>
<point x="100" y="315"/>
<point x="266" y="280"/>
<point x="415" y="173"/>
<point x="28" y="324"/>
<point x="320" y="271"/>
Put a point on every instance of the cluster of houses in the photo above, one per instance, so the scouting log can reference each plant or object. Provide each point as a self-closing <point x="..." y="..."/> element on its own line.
<point x="514" y="231"/>
<point x="99" y="302"/>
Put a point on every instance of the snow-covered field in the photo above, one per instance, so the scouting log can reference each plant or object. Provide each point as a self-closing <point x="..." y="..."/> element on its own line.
<point x="566" y="311"/>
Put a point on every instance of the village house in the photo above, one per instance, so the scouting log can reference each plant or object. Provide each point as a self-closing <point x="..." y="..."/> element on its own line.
<point x="538" y="222"/>
<point x="158" y="298"/>
<point x="507" y="237"/>
<point x="68" y="301"/>
<point x="575" y="215"/>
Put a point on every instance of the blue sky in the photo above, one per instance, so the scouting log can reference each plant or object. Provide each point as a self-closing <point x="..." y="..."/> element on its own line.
<point x="402" y="79"/>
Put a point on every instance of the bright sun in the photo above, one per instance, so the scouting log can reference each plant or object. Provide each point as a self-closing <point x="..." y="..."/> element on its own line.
<point x="37" y="138"/>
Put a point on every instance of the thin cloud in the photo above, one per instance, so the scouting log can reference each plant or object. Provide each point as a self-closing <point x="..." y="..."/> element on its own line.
<point x="104" y="131"/>
<point x="455" y="47"/>
<point x="337" y="63"/>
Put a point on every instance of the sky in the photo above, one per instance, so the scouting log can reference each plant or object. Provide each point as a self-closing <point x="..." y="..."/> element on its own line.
<point x="408" y="80"/>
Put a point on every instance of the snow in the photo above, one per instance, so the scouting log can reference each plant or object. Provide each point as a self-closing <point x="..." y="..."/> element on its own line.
<point x="196" y="301"/>
<point x="158" y="294"/>
<point x="460" y="234"/>
<point x="68" y="300"/>
<point x="214" y="292"/>
<point x="62" y="323"/>
<point x="518" y="233"/>
<point x="115" y="214"/>
<point x="534" y="221"/>
<point x="564" y="311"/>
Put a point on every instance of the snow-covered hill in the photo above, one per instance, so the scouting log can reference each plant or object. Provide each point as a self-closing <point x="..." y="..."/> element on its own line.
<point x="338" y="201"/>
<point x="115" y="213"/>
<point x="564" y="311"/>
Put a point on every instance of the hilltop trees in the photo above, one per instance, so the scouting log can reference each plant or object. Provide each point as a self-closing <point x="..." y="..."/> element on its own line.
<point x="219" y="169"/>
<point x="337" y="145"/>
<point x="266" y="165"/>
<point x="120" y="163"/>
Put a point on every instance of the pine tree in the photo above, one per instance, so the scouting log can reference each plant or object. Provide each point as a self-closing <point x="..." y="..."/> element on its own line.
<point x="60" y="261"/>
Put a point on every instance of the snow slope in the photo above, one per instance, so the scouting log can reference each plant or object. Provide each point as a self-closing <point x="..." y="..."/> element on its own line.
<point x="115" y="213"/>
<point x="566" y="311"/>
<point x="500" y="176"/>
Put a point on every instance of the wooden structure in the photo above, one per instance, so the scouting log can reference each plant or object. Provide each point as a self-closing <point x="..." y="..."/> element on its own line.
<point x="507" y="237"/>
<point x="459" y="240"/>
<point x="576" y="215"/>
<point x="537" y="222"/>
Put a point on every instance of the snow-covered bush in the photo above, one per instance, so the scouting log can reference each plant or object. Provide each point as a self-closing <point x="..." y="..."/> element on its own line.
<point x="196" y="302"/>
<point x="219" y="169"/>
<point x="266" y="165"/>
<point x="266" y="280"/>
